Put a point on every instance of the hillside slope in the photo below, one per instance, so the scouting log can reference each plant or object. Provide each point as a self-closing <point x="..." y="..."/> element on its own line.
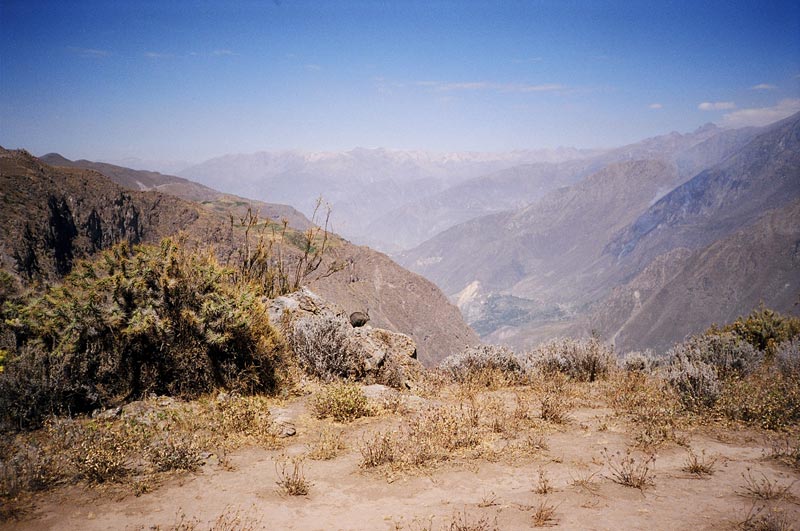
<point x="53" y="216"/>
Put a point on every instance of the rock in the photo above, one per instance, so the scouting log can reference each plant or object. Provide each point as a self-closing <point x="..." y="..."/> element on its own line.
<point x="299" y="303"/>
<point x="376" y="391"/>
<point x="286" y="430"/>
<point x="107" y="413"/>
<point x="378" y="343"/>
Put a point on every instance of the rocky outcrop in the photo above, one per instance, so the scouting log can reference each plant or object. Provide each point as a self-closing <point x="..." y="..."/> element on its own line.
<point x="324" y="341"/>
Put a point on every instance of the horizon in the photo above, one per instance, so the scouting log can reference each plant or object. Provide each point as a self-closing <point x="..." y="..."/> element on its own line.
<point x="191" y="81"/>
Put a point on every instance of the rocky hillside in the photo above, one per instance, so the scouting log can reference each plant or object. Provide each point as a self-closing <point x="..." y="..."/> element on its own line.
<point x="562" y="264"/>
<point x="53" y="216"/>
<point x="185" y="189"/>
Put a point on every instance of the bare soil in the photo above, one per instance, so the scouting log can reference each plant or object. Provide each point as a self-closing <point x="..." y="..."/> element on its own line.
<point x="498" y="492"/>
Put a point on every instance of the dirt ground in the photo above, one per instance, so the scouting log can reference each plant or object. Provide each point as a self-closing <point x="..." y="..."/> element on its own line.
<point x="499" y="492"/>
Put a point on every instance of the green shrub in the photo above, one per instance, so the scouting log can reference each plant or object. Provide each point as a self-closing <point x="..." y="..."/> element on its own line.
<point x="764" y="329"/>
<point x="155" y="319"/>
<point x="344" y="401"/>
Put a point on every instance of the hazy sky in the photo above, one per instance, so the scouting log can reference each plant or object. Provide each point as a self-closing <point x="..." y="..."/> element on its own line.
<point x="191" y="80"/>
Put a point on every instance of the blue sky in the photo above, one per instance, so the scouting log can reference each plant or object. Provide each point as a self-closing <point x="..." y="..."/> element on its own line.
<point x="191" y="80"/>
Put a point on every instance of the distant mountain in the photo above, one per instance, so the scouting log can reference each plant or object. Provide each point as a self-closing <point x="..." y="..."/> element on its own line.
<point x="591" y="255"/>
<point x="516" y="187"/>
<point x="53" y="216"/>
<point x="362" y="184"/>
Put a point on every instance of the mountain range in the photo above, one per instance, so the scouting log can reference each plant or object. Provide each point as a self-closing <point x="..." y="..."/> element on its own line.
<point x="642" y="252"/>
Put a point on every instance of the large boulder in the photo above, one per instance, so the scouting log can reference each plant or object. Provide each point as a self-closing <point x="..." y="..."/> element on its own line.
<point x="327" y="345"/>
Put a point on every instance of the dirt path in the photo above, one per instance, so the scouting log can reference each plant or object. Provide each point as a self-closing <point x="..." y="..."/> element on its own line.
<point x="502" y="493"/>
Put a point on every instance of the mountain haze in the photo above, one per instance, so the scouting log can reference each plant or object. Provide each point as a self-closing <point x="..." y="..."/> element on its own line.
<point x="593" y="255"/>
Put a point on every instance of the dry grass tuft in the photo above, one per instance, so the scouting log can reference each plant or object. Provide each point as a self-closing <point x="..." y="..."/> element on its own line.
<point x="630" y="470"/>
<point x="543" y="485"/>
<point x="763" y="488"/>
<point x="699" y="465"/>
<point x="377" y="450"/>
<point x="765" y="518"/>
<point x="291" y="479"/>
<point x="461" y="522"/>
<point x="544" y="515"/>
<point x="556" y="402"/>
<point x="327" y="445"/>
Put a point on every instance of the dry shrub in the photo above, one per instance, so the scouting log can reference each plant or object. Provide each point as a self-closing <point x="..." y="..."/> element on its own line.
<point x="556" y="401"/>
<point x="767" y="399"/>
<point x="432" y="436"/>
<point x="327" y="445"/>
<point x="584" y="360"/>
<point x="787" y="450"/>
<point x="291" y="478"/>
<point x="699" y="465"/>
<point x="344" y="401"/>
<point x="245" y="417"/>
<point x="762" y="488"/>
<point x="765" y="518"/>
<point x="377" y="450"/>
<point x="488" y="366"/>
<point x="651" y="404"/>
<point x="100" y="455"/>
<point x="644" y="362"/>
<point x="630" y="470"/>
<point x="325" y="348"/>
<point x="695" y="380"/>
<point x="543" y="485"/>
<point x="174" y="452"/>
<point x="787" y="358"/>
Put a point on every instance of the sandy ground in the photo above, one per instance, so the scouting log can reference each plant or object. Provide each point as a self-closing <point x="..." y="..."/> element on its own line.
<point x="501" y="493"/>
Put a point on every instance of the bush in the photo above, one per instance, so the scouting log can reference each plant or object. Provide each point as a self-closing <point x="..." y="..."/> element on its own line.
<point x="323" y="346"/>
<point x="585" y="360"/>
<point x="643" y="362"/>
<point x="787" y="358"/>
<point x="764" y="329"/>
<point x="766" y="399"/>
<point x="476" y="359"/>
<point x="696" y="381"/>
<point x="153" y="319"/>
<point x="344" y="401"/>
<point x="729" y="355"/>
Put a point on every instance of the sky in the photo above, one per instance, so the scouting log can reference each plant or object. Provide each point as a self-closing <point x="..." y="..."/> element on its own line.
<point x="187" y="81"/>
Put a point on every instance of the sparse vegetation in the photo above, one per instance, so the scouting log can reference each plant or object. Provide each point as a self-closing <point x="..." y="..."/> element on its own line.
<point x="699" y="465"/>
<point x="328" y="444"/>
<point x="544" y="515"/>
<point x="630" y="469"/>
<point x="763" y="488"/>
<point x="291" y="478"/>
<point x="482" y="363"/>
